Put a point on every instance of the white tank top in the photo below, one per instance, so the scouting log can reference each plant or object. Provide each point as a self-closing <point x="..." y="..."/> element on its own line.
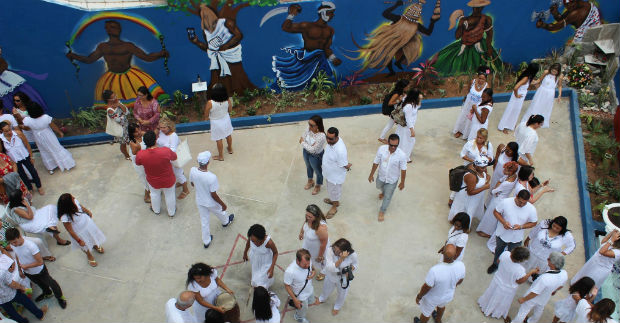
<point x="218" y="110"/>
<point x="549" y="82"/>
<point x="476" y="96"/>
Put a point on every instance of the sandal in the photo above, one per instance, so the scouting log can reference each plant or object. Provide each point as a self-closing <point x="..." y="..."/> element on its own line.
<point x="183" y="195"/>
<point x="328" y="201"/>
<point x="67" y="242"/>
<point x="99" y="249"/>
<point x="320" y="277"/>
<point x="147" y="200"/>
<point x="50" y="258"/>
<point x="316" y="190"/>
<point x="309" y="185"/>
<point x="92" y="263"/>
<point x="330" y="214"/>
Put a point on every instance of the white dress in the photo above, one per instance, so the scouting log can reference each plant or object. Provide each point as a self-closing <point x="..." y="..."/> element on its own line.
<point x="542" y="103"/>
<point x="488" y="224"/>
<point x="221" y="126"/>
<point x="463" y="122"/>
<point x="27" y="133"/>
<point x="498" y="172"/>
<point x="598" y="267"/>
<point x="513" y="109"/>
<point x="312" y="243"/>
<point x="406" y="142"/>
<point x="473" y="205"/>
<point x="139" y="168"/>
<point x="261" y="258"/>
<point x="52" y="153"/>
<point x="43" y="218"/>
<point x="209" y="294"/>
<point x="527" y="138"/>
<point x="542" y="245"/>
<point x="476" y="125"/>
<point x="496" y="300"/>
<point x="85" y="228"/>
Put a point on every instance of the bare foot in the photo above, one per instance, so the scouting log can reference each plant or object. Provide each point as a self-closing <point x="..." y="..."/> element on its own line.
<point x="44" y="310"/>
<point x="482" y="234"/>
<point x="220" y="158"/>
<point x="41" y="191"/>
<point x="335" y="312"/>
<point x="381" y="216"/>
<point x="381" y="196"/>
<point x="316" y="302"/>
<point x="230" y="150"/>
<point x="382" y="141"/>
<point x="457" y="135"/>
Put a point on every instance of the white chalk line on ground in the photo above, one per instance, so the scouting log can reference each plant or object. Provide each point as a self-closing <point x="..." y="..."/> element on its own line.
<point x="247" y="198"/>
<point x="91" y="274"/>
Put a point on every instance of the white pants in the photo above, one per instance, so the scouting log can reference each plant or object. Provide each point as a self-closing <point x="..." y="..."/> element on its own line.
<point x="204" y="212"/>
<point x="525" y="308"/>
<point x="387" y="128"/>
<point x="334" y="191"/>
<point x="178" y="174"/>
<point x="169" y="194"/>
<point x="328" y="288"/>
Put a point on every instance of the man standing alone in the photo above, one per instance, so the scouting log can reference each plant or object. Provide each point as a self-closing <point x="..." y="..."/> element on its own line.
<point x="391" y="162"/>
<point x="335" y="167"/>
<point x="207" y="200"/>
<point x="159" y="173"/>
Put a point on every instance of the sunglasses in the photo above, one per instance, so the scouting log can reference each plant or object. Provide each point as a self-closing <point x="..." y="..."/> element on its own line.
<point x="393" y="146"/>
<point x="330" y="139"/>
<point x="17" y="100"/>
<point x="311" y="125"/>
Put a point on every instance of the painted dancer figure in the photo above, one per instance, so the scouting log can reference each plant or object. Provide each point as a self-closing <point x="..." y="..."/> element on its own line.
<point x="121" y="77"/>
<point x="12" y="83"/>
<point x="580" y="14"/>
<point x="400" y="40"/>
<point x="302" y="64"/>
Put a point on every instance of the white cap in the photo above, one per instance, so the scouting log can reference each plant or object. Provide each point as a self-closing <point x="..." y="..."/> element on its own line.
<point x="204" y="157"/>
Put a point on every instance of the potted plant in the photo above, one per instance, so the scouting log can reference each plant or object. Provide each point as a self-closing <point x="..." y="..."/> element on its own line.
<point x="611" y="216"/>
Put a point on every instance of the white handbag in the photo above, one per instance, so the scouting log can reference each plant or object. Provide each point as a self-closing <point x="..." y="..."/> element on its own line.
<point x="112" y="127"/>
<point x="184" y="155"/>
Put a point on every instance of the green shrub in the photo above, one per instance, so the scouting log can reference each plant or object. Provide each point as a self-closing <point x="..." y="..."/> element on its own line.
<point x="89" y="118"/>
<point x="365" y="100"/>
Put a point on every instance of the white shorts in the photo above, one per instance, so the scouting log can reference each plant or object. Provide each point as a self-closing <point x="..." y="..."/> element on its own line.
<point x="427" y="307"/>
<point x="334" y="191"/>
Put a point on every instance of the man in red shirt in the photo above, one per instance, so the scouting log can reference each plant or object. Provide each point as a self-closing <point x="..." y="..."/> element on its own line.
<point x="159" y="173"/>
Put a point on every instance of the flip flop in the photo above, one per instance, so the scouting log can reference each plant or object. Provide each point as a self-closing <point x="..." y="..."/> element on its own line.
<point x="182" y="195"/>
<point x="50" y="258"/>
<point x="67" y="242"/>
<point x="99" y="249"/>
<point x="331" y="214"/>
<point x="328" y="201"/>
<point x="92" y="263"/>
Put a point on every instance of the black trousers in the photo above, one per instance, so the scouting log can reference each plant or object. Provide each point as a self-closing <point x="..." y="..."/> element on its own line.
<point x="46" y="282"/>
<point x="35" y="176"/>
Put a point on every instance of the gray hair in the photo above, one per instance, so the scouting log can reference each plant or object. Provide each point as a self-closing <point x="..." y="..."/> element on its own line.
<point x="183" y="300"/>
<point x="557" y="260"/>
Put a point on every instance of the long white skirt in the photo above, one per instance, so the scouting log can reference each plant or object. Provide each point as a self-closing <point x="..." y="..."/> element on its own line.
<point x="406" y="142"/>
<point x="488" y="224"/>
<point x="565" y="309"/>
<point x="511" y="114"/>
<point x="140" y="171"/>
<point x="542" y="104"/>
<point x="44" y="218"/>
<point x="473" y="205"/>
<point x="53" y="154"/>
<point x="593" y="270"/>
<point x="463" y="123"/>
<point x="496" y="300"/>
<point x="90" y="234"/>
<point x="221" y="128"/>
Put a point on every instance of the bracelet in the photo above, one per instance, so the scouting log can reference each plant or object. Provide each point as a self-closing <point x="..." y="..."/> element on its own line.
<point x="331" y="58"/>
<point x="290" y="17"/>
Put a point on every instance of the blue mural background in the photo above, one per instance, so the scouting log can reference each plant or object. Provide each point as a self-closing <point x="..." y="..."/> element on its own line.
<point x="34" y="33"/>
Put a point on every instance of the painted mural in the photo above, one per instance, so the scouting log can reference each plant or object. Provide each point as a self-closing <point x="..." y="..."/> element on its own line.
<point x="399" y="40"/>
<point x="578" y="13"/>
<point x="473" y="46"/>
<point x="250" y="44"/>
<point x="121" y="77"/>
<point x="12" y="84"/>
<point x="303" y="62"/>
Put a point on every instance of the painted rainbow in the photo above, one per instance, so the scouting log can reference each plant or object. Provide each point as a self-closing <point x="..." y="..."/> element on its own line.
<point x="88" y="20"/>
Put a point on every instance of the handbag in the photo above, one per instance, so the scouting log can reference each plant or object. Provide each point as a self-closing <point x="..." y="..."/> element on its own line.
<point x="184" y="155"/>
<point x="112" y="127"/>
<point x="290" y="301"/>
<point x="398" y="115"/>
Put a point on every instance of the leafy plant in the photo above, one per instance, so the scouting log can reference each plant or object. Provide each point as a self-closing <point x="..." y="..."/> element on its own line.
<point x="426" y="73"/>
<point x="178" y="101"/>
<point x="88" y="118"/>
<point x="285" y="99"/>
<point x="597" y="188"/>
<point x="442" y="93"/>
<point x="586" y="99"/>
<point x="603" y="146"/>
<point x="184" y="119"/>
<point x="321" y="86"/>
<point x="614" y="193"/>
<point x="461" y="84"/>
<point x="365" y="100"/>
<point x="250" y="110"/>
<point x="169" y="114"/>
<point x="235" y="100"/>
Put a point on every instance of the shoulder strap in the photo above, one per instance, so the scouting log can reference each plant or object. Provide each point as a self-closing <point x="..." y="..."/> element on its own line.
<point x="306" y="283"/>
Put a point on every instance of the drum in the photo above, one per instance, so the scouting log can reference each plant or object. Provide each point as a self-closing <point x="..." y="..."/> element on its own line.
<point x="229" y="303"/>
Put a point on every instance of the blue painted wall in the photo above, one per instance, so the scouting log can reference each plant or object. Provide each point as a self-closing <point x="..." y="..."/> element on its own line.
<point x="34" y="33"/>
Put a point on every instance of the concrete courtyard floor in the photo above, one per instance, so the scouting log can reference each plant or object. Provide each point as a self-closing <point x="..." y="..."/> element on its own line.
<point x="147" y="256"/>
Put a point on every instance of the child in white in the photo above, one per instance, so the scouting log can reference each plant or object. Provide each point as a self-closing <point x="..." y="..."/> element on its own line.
<point x="340" y="256"/>
<point x="541" y="290"/>
<point x="207" y="200"/>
